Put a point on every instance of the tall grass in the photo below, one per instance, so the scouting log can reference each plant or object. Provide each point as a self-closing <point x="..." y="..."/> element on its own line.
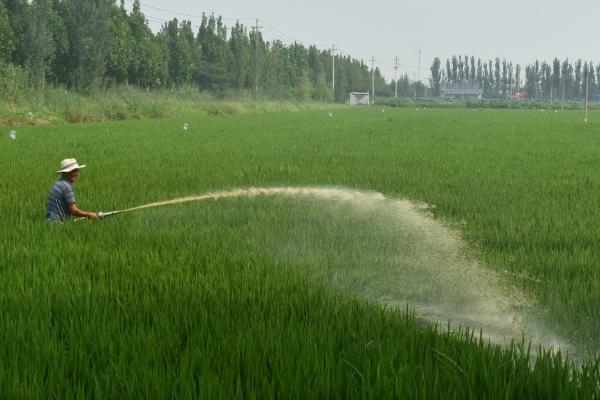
<point x="22" y="104"/>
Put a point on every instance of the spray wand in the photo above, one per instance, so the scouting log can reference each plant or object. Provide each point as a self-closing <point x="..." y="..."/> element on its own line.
<point x="104" y="214"/>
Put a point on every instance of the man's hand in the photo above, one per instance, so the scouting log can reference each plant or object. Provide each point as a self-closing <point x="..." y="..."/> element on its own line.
<point x="76" y="212"/>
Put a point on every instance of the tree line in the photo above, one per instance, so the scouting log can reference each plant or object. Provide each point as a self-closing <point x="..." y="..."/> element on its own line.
<point x="88" y="45"/>
<point x="503" y="79"/>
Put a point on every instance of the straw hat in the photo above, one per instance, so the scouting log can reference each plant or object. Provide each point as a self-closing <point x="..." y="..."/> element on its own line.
<point x="69" y="165"/>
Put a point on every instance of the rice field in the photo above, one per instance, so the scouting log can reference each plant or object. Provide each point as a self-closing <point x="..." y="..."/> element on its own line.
<point x="411" y="253"/>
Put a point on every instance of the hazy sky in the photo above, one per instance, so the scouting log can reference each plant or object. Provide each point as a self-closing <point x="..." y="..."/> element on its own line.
<point x="518" y="30"/>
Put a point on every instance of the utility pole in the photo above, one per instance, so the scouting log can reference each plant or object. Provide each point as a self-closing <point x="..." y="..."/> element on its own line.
<point x="414" y="85"/>
<point x="256" y="36"/>
<point x="396" y="76"/>
<point x="562" y="105"/>
<point x="419" y="65"/>
<point x="333" y="49"/>
<point x="373" y="80"/>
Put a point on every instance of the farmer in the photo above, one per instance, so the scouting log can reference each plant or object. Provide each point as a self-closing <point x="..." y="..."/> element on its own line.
<point x="61" y="202"/>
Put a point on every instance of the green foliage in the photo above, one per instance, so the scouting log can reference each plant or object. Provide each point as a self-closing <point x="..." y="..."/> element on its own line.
<point x="543" y="81"/>
<point x="213" y="72"/>
<point x="119" y="53"/>
<point x="25" y="104"/>
<point x="148" y="67"/>
<point x="241" y="53"/>
<point x="88" y="29"/>
<point x="18" y="13"/>
<point x="436" y="77"/>
<point x="88" y="45"/>
<point x="14" y="84"/>
<point x="7" y="38"/>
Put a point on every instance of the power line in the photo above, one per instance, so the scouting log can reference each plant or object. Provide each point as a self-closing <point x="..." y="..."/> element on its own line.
<point x="269" y="32"/>
<point x="276" y="33"/>
<point x="269" y="35"/>
<point x="419" y="65"/>
<point x="275" y="30"/>
<point x="188" y="15"/>
<point x="396" y="76"/>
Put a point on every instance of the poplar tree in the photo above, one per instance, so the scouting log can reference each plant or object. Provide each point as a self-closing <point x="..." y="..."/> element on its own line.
<point x="518" y="77"/>
<point x="556" y="88"/>
<point x="566" y="78"/>
<point x="577" y="83"/>
<point x="491" y="82"/>
<point x="240" y="52"/>
<point x="598" y="79"/>
<point x="592" y="77"/>
<point x="175" y="40"/>
<point x="7" y="38"/>
<point x="18" y="13"/>
<point x="479" y="72"/>
<point x="546" y="80"/>
<point x="188" y="54"/>
<point x="213" y="72"/>
<point x="148" y="65"/>
<point x="436" y="77"/>
<point x="257" y="56"/>
<point x="504" y="78"/>
<point x="276" y="72"/>
<point x="119" y="52"/>
<point x="39" y="41"/>
<point x="87" y="25"/>
<point x="454" y="69"/>
<point x="497" y="77"/>
<point x="404" y="89"/>
<point x="585" y="80"/>
<point x="486" y="81"/>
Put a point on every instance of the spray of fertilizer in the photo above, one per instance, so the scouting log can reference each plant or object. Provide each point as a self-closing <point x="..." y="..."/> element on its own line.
<point x="400" y="256"/>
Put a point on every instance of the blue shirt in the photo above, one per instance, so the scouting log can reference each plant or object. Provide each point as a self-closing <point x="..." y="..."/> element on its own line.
<point x="60" y="198"/>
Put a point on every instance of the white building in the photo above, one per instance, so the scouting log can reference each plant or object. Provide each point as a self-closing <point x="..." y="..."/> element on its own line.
<point x="461" y="90"/>
<point x="359" y="99"/>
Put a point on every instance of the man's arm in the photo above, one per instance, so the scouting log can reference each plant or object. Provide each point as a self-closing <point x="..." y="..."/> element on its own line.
<point x="80" y="213"/>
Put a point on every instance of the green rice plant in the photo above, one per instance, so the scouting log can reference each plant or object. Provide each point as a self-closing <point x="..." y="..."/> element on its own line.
<point x="276" y="297"/>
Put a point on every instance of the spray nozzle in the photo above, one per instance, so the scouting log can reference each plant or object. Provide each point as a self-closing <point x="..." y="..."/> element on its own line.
<point x="104" y="214"/>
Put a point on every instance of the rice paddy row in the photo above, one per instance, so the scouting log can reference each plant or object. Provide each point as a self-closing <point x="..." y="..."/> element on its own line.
<point x="234" y="298"/>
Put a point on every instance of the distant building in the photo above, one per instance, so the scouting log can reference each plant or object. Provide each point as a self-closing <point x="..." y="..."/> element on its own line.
<point x="461" y="90"/>
<point x="518" y="96"/>
<point x="359" y="99"/>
